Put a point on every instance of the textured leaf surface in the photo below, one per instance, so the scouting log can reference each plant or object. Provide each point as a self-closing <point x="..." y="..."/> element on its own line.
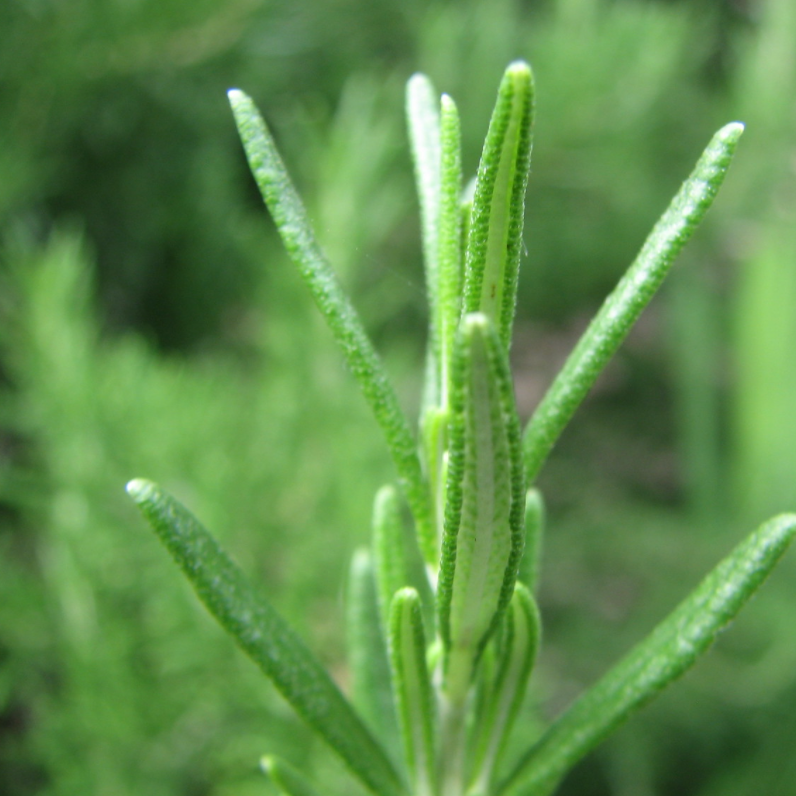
<point x="672" y="648"/>
<point x="413" y="689"/>
<point x="450" y="238"/>
<point x="371" y="686"/>
<point x="624" y="306"/>
<point x="483" y="519"/>
<point x="495" y="229"/>
<point x="297" y="236"/>
<point x="518" y="650"/>
<point x="389" y="551"/>
<point x="265" y="637"/>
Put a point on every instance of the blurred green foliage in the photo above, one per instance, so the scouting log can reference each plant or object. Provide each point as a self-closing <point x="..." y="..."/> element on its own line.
<point x="150" y="325"/>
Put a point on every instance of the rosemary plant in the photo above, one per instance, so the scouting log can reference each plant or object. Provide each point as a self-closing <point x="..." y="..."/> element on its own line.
<point x="440" y="667"/>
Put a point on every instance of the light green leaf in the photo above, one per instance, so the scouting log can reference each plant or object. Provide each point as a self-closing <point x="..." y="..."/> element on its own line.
<point x="518" y="650"/>
<point x="672" y="648"/>
<point x="412" y="689"/>
<point x="291" y="220"/>
<point x="450" y="239"/>
<point x="534" y="535"/>
<point x="624" y="306"/>
<point x="286" y="778"/>
<point x="389" y="551"/>
<point x="424" y="138"/>
<point x="371" y="686"/>
<point x="434" y="433"/>
<point x="483" y="537"/>
<point x="495" y="236"/>
<point x="265" y="637"/>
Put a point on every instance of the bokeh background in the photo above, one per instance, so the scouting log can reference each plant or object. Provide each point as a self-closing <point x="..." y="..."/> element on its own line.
<point x="150" y="325"/>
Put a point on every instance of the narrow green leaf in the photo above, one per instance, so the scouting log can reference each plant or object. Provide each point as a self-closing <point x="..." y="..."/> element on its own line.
<point x="450" y="232"/>
<point x="265" y="637"/>
<point x="286" y="778"/>
<point x="389" y="551"/>
<point x="495" y="241"/>
<point x="371" y="685"/>
<point x="517" y="657"/>
<point x="534" y="535"/>
<point x="422" y="115"/>
<point x="634" y="291"/>
<point x="671" y="649"/>
<point x="291" y="220"/>
<point x="483" y="536"/>
<point x="412" y="689"/>
<point x="424" y="138"/>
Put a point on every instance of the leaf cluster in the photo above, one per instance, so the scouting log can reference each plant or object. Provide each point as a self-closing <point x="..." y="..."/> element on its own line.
<point x="460" y="639"/>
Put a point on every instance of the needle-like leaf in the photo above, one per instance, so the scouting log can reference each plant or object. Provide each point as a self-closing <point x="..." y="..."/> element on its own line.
<point x="371" y="686"/>
<point x="624" y="306"/>
<point x="672" y="648"/>
<point x="520" y="643"/>
<point x="495" y="233"/>
<point x="534" y="535"/>
<point x="483" y="536"/>
<point x="265" y="637"/>
<point x="291" y="220"/>
<point x="389" y="551"/>
<point x="422" y="114"/>
<point x="449" y="238"/>
<point x="413" y="689"/>
<point x="286" y="778"/>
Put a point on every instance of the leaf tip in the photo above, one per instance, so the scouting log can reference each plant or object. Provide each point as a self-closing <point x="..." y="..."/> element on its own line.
<point x="140" y="489"/>
<point x="418" y="82"/>
<point x="235" y="95"/>
<point x="266" y="764"/>
<point x="519" y="70"/>
<point x="729" y="135"/>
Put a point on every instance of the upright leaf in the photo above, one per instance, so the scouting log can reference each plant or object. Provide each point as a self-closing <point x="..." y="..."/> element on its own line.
<point x="424" y="138"/>
<point x="371" y="687"/>
<point x="624" y="306"/>
<point x="517" y="656"/>
<point x="413" y="689"/>
<point x="389" y="551"/>
<point x="265" y="637"/>
<point x="534" y="534"/>
<point x="498" y="214"/>
<point x="483" y="537"/>
<point x="672" y="648"/>
<point x="286" y="778"/>
<point x="298" y="238"/>
<point x="449" y="238"/>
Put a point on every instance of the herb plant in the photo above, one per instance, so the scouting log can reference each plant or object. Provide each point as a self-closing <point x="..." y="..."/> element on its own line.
<point x="441" y="654"/>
